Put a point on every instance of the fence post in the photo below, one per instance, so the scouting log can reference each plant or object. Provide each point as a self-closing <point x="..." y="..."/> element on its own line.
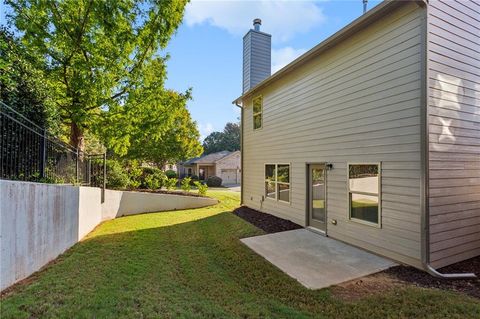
<point x="104" y="176"/>
<point x="77" y="170"/>
<point x="89" y="170"/>
<point x="43" y="154"/>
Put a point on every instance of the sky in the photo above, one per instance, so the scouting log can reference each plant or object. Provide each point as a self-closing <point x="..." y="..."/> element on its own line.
<point x="206" y="51"/>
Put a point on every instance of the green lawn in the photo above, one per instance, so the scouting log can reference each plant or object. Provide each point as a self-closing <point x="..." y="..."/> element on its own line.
<point x="191" y="264"/>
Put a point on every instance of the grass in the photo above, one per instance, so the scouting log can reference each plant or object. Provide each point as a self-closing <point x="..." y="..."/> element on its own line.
<point x="191" y="264"/>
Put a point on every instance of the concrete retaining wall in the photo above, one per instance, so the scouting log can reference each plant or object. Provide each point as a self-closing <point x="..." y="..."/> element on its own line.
<point x="122" y="203"/>
<point x="38" y="222"/>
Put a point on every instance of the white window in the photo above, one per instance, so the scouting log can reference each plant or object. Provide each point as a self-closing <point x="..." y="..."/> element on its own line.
<point x="364" y="193"/>
<point x="257" y="112"/>
<point x="277" y="182"/>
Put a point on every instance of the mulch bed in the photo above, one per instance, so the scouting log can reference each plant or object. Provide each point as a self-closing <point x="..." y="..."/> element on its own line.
<point x="399" y="275"/>
<point x="422" y="279"/>
<point x="266" y="222"/>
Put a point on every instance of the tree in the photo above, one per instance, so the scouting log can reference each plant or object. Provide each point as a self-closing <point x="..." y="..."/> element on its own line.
<point x="21" y="83"/>
<point x="101" y="58"/>
<point x="137" y="134"/>
<point x="228" y="140"/>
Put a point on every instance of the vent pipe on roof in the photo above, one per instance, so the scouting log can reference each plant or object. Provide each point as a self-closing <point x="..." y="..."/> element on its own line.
<point x="256" y="24"/>
<point x="365" y="2"/>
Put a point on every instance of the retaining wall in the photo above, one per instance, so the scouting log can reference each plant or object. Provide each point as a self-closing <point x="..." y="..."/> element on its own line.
<point x="38" y="222"/>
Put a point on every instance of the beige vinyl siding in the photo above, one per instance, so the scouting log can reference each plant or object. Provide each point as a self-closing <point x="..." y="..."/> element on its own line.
<point x="454" y="130"/>
<point x="357" y="102"/>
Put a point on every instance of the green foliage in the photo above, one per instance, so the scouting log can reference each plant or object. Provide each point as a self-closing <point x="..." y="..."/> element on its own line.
<point x="135" y="175"/>
<point x="202" y="188"/>
<point x="214" y="181"/>
<point x="193" y="179"/>
<point x="170" y="183"/>
<point x="103" y="66"/>
<point x="159" y="130"/>
<point x="185" y="185"/>
<point x="124" y="174"/>
<point x="117" y="176"/>
<point x="171" y="174"/>
<point x="22" y="84"/>
<point x="154" y="178"/>
<point x="228" y="140"/>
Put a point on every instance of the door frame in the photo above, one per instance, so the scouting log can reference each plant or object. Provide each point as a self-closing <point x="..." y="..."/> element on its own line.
<point x="308" y="193"/>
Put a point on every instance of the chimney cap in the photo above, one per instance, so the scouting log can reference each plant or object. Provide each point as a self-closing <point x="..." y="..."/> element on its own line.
<point x="257" y="21"/>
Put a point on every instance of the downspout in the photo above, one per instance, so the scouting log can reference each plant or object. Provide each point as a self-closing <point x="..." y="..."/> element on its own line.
<point x="425" y="213"/>
<point x="241" y="152"/>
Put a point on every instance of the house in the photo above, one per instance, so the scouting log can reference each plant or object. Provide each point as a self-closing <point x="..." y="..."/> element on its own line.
<point x="224" y="164"/>
<point x="169" y="167"/>
<point x="373" y="136"/>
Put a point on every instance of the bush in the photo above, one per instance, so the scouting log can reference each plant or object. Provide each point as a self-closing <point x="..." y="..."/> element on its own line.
<point x="202" y="188"/>
<point x="117" y="176"/>
<point x="214" y="181"/>
<point x="193" y="179"/>
<point x="135" y="173"/>
<point x="171" y="174"/>
<point x="154" y="179"/>
<point x="170" y="183"/>
<point x="186" y="184"/>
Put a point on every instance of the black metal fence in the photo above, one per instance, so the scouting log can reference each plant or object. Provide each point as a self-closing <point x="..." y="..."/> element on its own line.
<point x="29" y="153"/>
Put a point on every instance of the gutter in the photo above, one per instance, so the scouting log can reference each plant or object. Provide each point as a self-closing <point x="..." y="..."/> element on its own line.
<point x="241" y="151"/>
<point x="425" y="213"/>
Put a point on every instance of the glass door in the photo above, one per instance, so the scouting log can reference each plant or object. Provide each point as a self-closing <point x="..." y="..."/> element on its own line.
<point x="317" y="197"/>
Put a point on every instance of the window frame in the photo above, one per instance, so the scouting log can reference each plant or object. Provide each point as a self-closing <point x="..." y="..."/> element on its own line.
<point x="277" y="199"/>
<point x="257" y="113"/>
<point x="378" y="195"/>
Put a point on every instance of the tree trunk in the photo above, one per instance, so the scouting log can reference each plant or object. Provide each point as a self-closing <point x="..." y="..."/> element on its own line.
<point x="77" y="138"/>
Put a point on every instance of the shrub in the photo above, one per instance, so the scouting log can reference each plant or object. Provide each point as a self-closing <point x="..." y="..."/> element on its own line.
<point x="202" y="188"/>
<point x="170" y="183"/>
<point x="117" y="176"/>
<point x="135" y="173"/>
<point x="186" y="184"/>
<point x="171" y="174"/>
<point x="214" y="181"/>
<point x="155" y="179"/>
<point x="193" y="179"/>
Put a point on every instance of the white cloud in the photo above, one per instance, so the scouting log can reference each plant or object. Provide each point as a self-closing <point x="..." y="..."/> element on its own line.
<point x="205" y="130"/>
<point x="282" y="19"/>
<point x="281" y="57"/>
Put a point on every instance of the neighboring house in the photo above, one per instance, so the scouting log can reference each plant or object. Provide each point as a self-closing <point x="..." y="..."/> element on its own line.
<point x="224" y="164"/>
<point x="373" y="136"/>
<point x="166" y="167"/>
<point x="170" y="167"/>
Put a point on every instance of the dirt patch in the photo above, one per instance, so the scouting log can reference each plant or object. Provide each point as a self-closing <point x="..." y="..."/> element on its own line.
<point x="404" y="276"/>
<point x="266" y="222"/>
<point x="376" y="284"/>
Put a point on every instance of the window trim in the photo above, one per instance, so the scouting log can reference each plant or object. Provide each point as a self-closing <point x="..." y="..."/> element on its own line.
<point x="254" y="114"/>
<point x="276" y="199"/>
<point x="379" y="195"/>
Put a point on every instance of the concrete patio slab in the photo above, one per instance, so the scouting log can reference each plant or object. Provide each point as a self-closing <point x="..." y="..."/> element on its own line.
<point x="314" y="260"/>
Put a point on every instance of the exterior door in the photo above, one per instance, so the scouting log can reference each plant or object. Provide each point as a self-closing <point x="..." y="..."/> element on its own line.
<point x="317" y="209"/>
